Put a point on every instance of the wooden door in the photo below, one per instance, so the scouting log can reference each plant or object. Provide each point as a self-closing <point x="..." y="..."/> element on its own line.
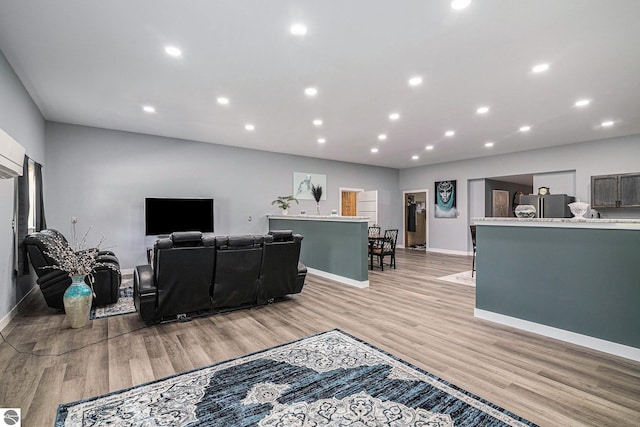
<point x="349" y="203"/>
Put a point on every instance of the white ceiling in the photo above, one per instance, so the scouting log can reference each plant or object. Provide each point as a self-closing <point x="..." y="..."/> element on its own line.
<point x="96" y="63"/>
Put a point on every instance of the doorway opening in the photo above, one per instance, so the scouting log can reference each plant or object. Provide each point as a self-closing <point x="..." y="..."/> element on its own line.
<point x="358" y="202"/>
<point x="415" y="219"/>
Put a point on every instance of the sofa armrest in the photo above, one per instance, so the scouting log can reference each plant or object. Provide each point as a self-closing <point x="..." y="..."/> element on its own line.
<point x="53" y="284"/>
<point x="53" y="277"/>
<point x="302" y="275"/>
<point x="144" y="292"/>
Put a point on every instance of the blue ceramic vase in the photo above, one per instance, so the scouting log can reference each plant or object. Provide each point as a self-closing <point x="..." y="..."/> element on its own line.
<point x="77" y="302"/>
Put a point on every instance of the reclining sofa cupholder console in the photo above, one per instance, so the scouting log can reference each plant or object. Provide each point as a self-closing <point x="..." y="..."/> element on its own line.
<point x="199" y="274"/>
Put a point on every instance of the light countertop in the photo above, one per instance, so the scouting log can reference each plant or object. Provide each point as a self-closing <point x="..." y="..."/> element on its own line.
<point x="614" y="224"/>
<point x="335" y="218"/>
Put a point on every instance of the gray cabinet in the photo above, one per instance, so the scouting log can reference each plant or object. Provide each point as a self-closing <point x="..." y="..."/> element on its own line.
<point x="615" y="191"/>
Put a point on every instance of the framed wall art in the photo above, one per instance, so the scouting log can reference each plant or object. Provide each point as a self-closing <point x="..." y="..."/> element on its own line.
<point x="302" y="182"/>
<point x="446" y="199"/>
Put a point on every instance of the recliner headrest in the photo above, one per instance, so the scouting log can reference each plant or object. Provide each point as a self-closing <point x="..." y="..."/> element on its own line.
<point x="186" y="238"/>
<point x="240" y="241"/>
<point x="164" y="243"/>
<point x="281" y="235"/>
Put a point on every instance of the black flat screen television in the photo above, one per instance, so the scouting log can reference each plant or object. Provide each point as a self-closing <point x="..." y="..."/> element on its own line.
<point x="166" y="215"/>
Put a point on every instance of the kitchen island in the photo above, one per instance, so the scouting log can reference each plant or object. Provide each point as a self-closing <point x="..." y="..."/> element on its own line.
<point x="335" y="247"/>
<point x="574" y="280"/>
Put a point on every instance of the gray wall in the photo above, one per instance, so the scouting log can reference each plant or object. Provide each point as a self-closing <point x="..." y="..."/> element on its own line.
<point x="21" y="119"/>
<point x="616" y="155"/>
<point x="102" y="177"/>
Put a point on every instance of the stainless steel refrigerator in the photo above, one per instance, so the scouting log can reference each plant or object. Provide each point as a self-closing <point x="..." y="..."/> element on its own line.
<point x="550" y="205"/>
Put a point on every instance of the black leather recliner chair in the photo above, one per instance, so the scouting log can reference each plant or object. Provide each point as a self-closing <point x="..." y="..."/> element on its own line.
<point x="281" y="272"/>
<point x="54" y="282"/>
<point x="180" y="280"/>
<point x="238" y="262"/>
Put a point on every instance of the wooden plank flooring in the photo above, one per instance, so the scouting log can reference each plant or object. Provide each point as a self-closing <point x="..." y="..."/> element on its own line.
<point x="407" y="312"/>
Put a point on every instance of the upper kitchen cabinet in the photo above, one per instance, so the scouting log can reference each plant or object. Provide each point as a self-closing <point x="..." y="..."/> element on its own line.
<point x="615" y="191"/>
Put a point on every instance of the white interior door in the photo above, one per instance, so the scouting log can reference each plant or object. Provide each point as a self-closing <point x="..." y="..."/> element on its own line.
<point x="367" y="205"/>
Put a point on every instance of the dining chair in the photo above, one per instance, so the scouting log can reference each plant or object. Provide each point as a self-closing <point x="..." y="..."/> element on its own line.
<point x="473" y="241"/>
<point x="387" y="248"/>
<point x="374" y="230"/>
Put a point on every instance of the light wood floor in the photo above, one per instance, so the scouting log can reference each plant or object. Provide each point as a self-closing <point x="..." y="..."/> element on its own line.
<point x="407" y="312"/>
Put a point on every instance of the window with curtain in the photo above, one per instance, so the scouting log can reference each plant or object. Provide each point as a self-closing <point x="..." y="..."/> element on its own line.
<point x="29" y="210"/>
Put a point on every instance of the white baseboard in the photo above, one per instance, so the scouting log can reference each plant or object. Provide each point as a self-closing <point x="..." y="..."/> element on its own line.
<point x="14" y="311"/>
<point x="449" y="251"/>
<point x="341" y="279"/>
<point x="616" y="349"/>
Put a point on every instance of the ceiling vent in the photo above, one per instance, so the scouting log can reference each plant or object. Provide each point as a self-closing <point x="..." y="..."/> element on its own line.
<point x="11" y="156"/>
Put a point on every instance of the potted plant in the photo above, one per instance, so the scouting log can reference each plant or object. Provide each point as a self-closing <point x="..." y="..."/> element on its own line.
<point x="316" y="190"/>
<point x="284" y="202"/>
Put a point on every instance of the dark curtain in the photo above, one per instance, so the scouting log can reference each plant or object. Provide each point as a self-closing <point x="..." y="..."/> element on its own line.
<point x="41" y="222"/>
<point x="23" y="218"/>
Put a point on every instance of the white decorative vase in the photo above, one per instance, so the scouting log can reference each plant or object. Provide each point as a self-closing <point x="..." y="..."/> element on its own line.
<point x="285" y="212"/>
<point x="578" y="209"/>
<point x="77" y="302"/>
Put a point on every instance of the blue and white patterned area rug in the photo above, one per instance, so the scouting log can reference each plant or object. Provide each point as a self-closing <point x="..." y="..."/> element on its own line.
<point x="330" y="379"/>
<point x="123" y="306"/>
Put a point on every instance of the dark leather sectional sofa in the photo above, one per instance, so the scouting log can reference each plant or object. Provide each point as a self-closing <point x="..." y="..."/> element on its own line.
<point x="53" y="282"/>
<point x="195" y="274"/>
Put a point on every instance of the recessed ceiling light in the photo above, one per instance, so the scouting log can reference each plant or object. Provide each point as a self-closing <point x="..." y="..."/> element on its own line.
<point x="394" y="116"/>
<point x="374" y="150"/>
<point x="298" y="29"/>
<point x="429" y="147"/>
<point x="149" y="109"/>
<point x="488" y="144"/>
<point x="607" y="123"/>
<point x="321" y="140"/>
<point x="172" y="51"/>
<point x="414" y="157"/>
<point x="415" y="81"/>
<point x="449" y="133"/>
<point x="460" y="4"/>
<point x="524" y="128"/>
<point x="222" y="100"/>
<point x="382" y="137"/>
<point x="540" y="68"/>
<point x="249" y="127"/>
<point x="582" y="102"/>
<point x="311" y="91"/>
<point x="482" y="110"/>
<point x="317" y="122"/>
